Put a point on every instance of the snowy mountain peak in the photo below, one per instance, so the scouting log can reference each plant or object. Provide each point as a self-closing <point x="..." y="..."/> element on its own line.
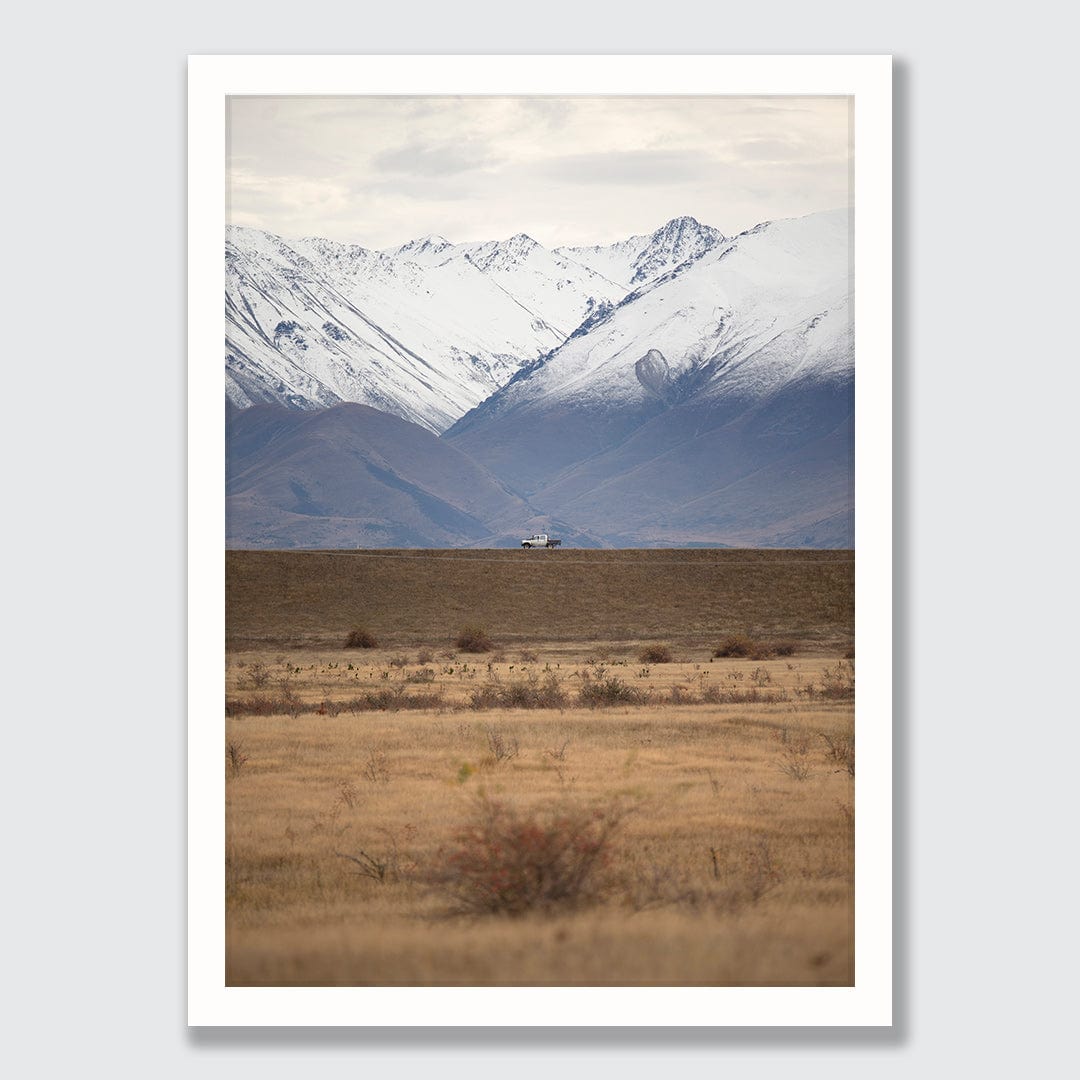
<point x="422" y="245"/>
<point x="521" y="242"/>
<point x="678" y="224"/>
<point x="641" y="259"/>
<point x="501" y="254"/>
<point x="414" y="330"/>
<point x="675" y="242"/>
<point x="331" y="249"/>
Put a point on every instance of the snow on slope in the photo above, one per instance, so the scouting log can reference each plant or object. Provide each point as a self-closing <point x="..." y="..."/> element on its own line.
<point x="650" y="418"/>
<point x="746" y="316"/>
<point x="639" y="259"/>
<point x="424" y="331"/>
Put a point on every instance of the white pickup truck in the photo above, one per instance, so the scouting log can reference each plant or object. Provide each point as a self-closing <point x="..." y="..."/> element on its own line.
<point x="540" y="540"/>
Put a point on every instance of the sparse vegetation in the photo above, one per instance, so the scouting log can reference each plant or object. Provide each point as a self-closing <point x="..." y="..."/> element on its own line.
<point x="366" y="777"/>
<point x="740" y="645"/>
<point x="473" y="639"/>
<point x="369" y="866"/>
<point x="257" y="675"/>
<point x="376" y="768"/>
<point x="237" y="759"/>
<point x="655" y="654"/>
<point x="794" y="760"/>
<point x="361" y="637"/>
<point x="735" y="645"/>
<point x="837" y="683"/>
<point x="840" y="750"/>
<point x="390" y="700"/>
<point x="611" y="691"/>
<point x="509" y="862"/>
<point x="530" y="693"/>
<point x="503" y="747"/>
<point x="384" y="865"/>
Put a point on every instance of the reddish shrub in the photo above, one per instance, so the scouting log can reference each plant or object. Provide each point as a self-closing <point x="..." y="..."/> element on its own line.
<point x="508" y="863"/>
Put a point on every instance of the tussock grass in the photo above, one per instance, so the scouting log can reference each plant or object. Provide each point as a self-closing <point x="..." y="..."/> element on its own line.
<point x="729" y="871"/>
<point x="363" y="770"/>
<point x="532" y="694"/>
<point x="388" y="700"/>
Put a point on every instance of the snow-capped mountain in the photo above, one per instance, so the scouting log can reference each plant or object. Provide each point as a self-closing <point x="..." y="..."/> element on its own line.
<point x="714" y="403"/>
<point x="639" y="259"/>
<point x="424" y="331"/>
<point x="681" y="387"/>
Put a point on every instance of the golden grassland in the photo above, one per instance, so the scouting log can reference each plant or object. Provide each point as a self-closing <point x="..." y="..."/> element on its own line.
<point x="730" y="867"/>
<point x="354" y="775"/>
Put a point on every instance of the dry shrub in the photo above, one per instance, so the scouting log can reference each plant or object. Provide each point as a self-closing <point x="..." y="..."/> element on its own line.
<point x="794" y="760"/>
<point x="840" y="751"/>
<point x="385" y="863"/>
<point x="289" y="704"/>
<point x="236" y="757"/>
<point x="425" y="656"/>
<point x="530" y="694"/>
<point x="376" y="769"/>
<point x="393" y="700"/>
<point x="612" y="691"/>
<point x="474" y="639"/>
<point x="508" y="862"/>
<point x="837" y="683"/>
<point x="503" y="747"/>
<point x="742" y="646"/>
<point x="257" y="676"/>
<point x="361" y="638"/>
<point x="735" y="645"/>
<point x="736" y="695"/>
<point x="655" y="654"/>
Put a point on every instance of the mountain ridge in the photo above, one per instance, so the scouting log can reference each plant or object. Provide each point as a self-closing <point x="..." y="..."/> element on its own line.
<point x="425" y="330"/>
<point x="711" y="401"/>
<point x="740" y="360"/>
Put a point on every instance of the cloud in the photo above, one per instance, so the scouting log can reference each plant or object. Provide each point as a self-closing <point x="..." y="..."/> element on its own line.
<point x="378" y="171"/>
<point x="445" y="159"/>
<point x="628" y="167"/>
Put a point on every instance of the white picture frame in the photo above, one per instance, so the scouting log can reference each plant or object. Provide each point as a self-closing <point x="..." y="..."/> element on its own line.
<point x="868" y="80"/>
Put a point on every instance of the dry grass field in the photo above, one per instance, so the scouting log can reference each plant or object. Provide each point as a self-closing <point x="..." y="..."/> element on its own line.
<point x="558" y="810"/>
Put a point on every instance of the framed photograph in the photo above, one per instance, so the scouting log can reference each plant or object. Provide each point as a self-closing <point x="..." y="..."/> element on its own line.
<point x="524" y="603"/>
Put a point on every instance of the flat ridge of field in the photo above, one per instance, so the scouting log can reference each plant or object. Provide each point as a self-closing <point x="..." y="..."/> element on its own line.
<point x="413" y="597"/>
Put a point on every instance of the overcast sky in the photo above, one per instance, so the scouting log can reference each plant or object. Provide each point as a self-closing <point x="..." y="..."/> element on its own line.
<point x="380" y="171"/>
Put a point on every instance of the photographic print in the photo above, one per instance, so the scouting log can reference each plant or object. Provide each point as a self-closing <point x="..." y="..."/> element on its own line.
<point x="538" y="495"/>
